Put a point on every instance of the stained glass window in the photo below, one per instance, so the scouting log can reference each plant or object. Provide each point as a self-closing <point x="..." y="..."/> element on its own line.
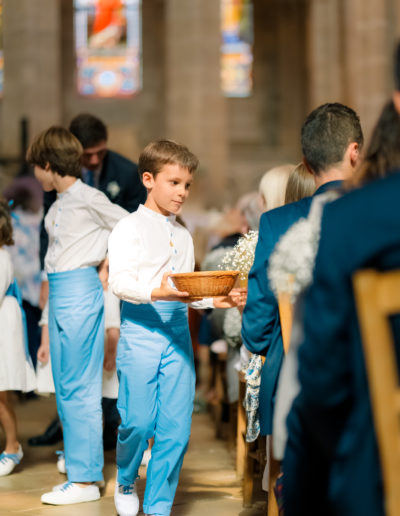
<point x="108" y="47"/>
<point x="237" y="47"/>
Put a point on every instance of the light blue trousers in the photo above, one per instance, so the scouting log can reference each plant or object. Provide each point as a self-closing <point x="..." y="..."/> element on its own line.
<point x="76" y="329"/>
<point x="156" y="393"/>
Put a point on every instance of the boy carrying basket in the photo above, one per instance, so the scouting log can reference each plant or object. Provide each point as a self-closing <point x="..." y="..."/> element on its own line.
<point x="155" y="356"/>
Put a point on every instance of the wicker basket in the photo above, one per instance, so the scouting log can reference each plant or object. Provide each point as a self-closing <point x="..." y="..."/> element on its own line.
<point x="205" y="283"/>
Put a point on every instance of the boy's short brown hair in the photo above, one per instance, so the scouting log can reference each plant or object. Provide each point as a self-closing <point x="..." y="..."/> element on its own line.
<point x="58" y="148"/>
<point x="166" y="152"/>
<point x="6" y="229"/>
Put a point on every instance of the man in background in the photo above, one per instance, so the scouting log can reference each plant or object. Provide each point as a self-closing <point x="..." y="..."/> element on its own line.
<point x="331" y="140"/>
<point x="331" y="465"/>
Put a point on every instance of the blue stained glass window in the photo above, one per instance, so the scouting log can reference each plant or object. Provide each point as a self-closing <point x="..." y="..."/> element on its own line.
<point x="237" y="47"/>
<point x="108" y="47"/>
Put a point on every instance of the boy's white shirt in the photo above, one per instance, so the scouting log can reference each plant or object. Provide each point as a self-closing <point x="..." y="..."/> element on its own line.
<point x="141" y="248"/>
<point x="78" y="224"/>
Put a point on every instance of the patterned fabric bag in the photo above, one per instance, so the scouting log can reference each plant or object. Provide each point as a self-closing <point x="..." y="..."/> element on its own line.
<point x="251" y="399"/>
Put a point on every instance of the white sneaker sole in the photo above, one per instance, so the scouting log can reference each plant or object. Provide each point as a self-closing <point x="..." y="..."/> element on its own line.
<point x="50" y="501"/>
<point x="70" y="497"/>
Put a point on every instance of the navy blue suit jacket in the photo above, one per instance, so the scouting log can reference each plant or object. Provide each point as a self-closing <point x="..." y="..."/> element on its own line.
<point x="120" y="170"/>
<point x="261" y="328"/>
<point x="119" y="180"/>
<point x="331" y="463"/>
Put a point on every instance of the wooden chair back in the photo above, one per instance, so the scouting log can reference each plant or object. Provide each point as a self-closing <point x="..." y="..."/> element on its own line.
<point x="377" y="297"/>
<point x="286" y="317"/>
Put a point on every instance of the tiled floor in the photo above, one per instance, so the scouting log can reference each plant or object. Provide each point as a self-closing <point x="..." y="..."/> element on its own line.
<point x="208" y="485"/>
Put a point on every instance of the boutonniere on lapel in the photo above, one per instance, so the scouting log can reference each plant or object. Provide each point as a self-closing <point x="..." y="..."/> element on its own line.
<point x="113" y="189"/>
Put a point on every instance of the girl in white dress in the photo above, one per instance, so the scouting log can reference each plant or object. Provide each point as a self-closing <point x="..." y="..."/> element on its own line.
<point x="16" y="370"/>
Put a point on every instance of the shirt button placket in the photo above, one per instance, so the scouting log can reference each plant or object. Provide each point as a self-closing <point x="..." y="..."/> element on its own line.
<point x="172" y="245"/>
<point x="56" y="225"/>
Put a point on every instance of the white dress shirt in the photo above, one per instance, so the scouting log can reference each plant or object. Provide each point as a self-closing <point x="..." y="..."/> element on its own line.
<point x="78" y="224"/>
<point x="141" y="248"/>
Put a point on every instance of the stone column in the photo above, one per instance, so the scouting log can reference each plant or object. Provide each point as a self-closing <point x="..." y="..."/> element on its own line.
<point x="32" y="68"/>
<point x="292" y="74"/>
<point x="324" y="53"/>
<point x="351" y="54"/>
<point x="195" y="106"/>
<point x="369" y="28"/>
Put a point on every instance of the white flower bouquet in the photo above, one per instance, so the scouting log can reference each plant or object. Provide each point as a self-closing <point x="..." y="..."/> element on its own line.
<point x="291" y="264"/>
<point x="241" y="257"/>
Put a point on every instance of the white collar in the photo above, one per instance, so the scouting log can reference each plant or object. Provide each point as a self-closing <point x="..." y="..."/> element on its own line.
<point x="159" y="216"/>
<point x="71" y="189"/>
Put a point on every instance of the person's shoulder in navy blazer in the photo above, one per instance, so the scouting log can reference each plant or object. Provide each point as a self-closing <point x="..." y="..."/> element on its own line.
<point x="331" y="438"/>
<point x="260" y="310"/>
<point x="331" y="137"/>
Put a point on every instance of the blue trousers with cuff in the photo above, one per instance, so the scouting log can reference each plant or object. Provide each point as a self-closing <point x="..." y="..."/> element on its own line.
<point x="156" y="393"/>
<point x="76" y="330"/>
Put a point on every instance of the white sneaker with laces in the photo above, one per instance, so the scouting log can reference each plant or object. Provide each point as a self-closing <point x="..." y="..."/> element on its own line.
<point x="126" y="499"/>
<point x="61" y="462"/>
<point x="8" y="461"/>
<point x="71" y="493"/>
<point x="100" y="484"/>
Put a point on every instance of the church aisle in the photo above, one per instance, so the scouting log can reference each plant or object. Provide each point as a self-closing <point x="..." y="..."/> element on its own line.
<point x="208" y="482"/>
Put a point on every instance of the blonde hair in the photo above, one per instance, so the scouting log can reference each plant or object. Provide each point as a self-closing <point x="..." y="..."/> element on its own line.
<point x="300" y="184"/>
<point x="273" y="186"/>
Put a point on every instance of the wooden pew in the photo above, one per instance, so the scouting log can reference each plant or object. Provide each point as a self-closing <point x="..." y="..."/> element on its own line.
<point x="377" y="297"/>
<point x="286" y="317"/>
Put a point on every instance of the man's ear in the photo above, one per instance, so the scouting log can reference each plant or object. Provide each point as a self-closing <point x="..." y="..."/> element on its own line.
<point x="148" y="179"/>
<point x="396" y="100"/>
<point x="354" y="153"/>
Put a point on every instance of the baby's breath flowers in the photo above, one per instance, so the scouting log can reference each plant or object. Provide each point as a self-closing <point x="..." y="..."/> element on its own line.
<point x="291" y="264"/>
<point x="241" y="257"/>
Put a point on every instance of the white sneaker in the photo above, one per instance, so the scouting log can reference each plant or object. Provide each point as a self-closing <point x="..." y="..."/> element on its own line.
<point x="100" y="484"/>
<point x="126" y="500"/>
<point x="61" y="462"/>
<point x="146" y="458"/>
<point x="8" y="461"/>
<point x="71" y="493"/>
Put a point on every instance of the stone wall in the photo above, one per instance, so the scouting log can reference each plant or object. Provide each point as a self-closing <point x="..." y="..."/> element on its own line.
<point x="351" y="54"/>
<point x="306" y="52"/>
